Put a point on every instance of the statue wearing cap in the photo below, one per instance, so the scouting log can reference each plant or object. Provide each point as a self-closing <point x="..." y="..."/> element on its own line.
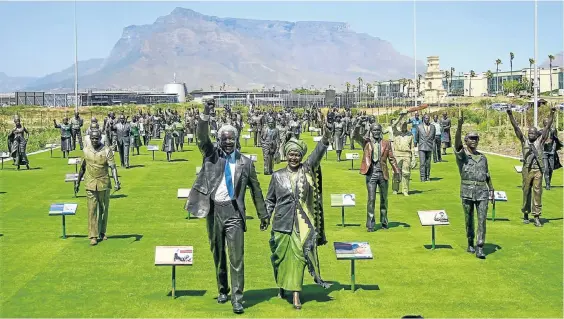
<point x="476" y="187"/>
<point x="295" y="203"/>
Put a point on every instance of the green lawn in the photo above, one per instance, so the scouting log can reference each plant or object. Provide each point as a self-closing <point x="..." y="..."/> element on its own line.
<point x="43" y="275"/>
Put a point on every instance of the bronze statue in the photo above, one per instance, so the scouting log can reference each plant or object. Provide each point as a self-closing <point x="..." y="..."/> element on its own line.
<point x="475" y="186"/>
<point x="533" y="166"/>
<point x="218" y="194"/>
<point x="17" y="144"/>
<point x="295" y="199"/>
<point x="98" y="158"/>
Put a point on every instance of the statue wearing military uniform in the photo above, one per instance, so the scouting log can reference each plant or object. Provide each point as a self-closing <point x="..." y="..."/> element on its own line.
<point x="136" y="127"/>
<point x="98" y="158"/>
<point x="533" y="166"/>
<point x="404" y="153"/>
<point x="269" y="143"/>
<point x="76" y="125"/>
<point x="475" y="187"/>
<point x="123" y="139"/>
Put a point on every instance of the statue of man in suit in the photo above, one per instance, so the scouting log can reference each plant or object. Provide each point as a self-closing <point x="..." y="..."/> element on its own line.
<point x="424" y="141"/>
<point x="218" y="194"/>
<point x="377" y="152"/>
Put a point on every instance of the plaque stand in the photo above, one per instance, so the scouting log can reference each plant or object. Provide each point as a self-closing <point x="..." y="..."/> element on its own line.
<point x="64" y="227"/>
<point x="174" y="279"/>
<point x="153" y="154"/>
<point x="429" y="221"/>
<point x="352" y="275"/>
<point x="352" y="165"/>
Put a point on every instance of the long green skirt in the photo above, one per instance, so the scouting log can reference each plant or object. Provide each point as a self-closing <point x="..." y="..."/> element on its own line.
<point x="288" y="260"/>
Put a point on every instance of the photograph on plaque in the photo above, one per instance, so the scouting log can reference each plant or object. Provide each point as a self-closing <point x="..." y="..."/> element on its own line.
<point x="357" y="250"/>
<point x="174" y="255"/>
<point x="74" y="161"/>
<point x="349" y="200"/>
<point x="63" y="209"/>
<point x="73" y="177"/>
<point x="433" y="217"/>
<point x="352" y="156"/>
<point x="183" y="192"/>
<point x="4" y="155"/>
<point x="500" y="196"/>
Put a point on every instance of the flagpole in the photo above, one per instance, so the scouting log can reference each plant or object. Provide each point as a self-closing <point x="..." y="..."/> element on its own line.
<point x="75" y="62"/>
<point x="536" y="82"/>
<point x="415" y="54"/>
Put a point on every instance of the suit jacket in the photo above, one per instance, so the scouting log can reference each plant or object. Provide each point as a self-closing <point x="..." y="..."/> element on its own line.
<point x="425" y="141"/>
<point x="200" y="201"/>
<point x="386" y="155"/>
<point x="281" y="198"/>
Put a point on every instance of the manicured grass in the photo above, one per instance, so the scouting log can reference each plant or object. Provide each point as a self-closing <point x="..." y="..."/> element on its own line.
<point x="43" y="275"/>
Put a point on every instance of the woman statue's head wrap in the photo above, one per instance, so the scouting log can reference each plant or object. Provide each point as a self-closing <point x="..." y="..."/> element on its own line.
<point x="294" y="144"/>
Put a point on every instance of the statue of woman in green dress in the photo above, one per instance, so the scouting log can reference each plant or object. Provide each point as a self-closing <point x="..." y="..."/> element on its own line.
<point x="295" y="194"/>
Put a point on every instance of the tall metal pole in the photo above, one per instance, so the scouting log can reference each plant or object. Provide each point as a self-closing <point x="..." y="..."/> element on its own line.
<point x="75" y="62"/>
<point x="415" y="54"/>
<point x="536" y="88"/>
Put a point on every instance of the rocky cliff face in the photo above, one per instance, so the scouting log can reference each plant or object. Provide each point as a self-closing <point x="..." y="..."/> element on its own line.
<point x="205" y="50"/>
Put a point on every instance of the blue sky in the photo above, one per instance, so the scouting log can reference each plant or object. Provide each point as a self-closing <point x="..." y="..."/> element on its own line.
<point x="38" y="38"/>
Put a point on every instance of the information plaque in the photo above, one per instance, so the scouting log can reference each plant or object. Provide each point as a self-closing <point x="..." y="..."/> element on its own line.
<point x="433" y="218"/>
<point x="74" y="161"/>
<point x="174" y="256"/>
<point x="152" y="148"/>
<point x="317" y="138"/>
<point x="246" y="137"/>
<point x="189" y="137"/>
<point x="498" y="196"/>
<point x="518" y="168"/>
<point x="352" y="251"/>
<point x="343" y="200"/>
<point x="51" y="147"/>
<point x="352" y="157"/>
<point x="63" y="209"/>
<point x="253" y="157"/>
<point x="4" y="155"/>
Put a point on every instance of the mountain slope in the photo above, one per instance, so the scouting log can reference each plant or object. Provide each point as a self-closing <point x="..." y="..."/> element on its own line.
<point x="205" y="50"/>
<point x="10" y="84"/>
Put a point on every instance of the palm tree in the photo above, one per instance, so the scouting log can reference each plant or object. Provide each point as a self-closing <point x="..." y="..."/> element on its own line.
<point x="489" y="75"/>
<point x="368" y="91"/>
<point x="359" y="79"/>
<point x="447" y="75"/>
<point x="451" y="74"/>
<point x="531" y="62"/>
<point x="348" y="86"/>
<point x="550" y="59"/>
<point x="497" y="63"/>
<point x="418" y="85"/>
<point x="511" y="57"/>
<point x="472" y="75"/>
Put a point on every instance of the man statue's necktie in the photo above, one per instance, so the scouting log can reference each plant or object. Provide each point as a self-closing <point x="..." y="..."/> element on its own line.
<point x="229" y="158"/>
